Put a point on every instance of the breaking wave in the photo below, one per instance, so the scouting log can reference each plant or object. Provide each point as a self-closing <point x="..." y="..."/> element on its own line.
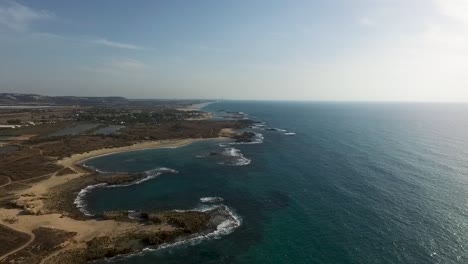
<point x="80" y="202"/>
<point x="228" y="222"/>
<point x="257" y="139"/>
<point x="234" y="157"/>
<point x="150" y="174"/>
<point x="277" y="129"/>
<point x="211" y="199"/>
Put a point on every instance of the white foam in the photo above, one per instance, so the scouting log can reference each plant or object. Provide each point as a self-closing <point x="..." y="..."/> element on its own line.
<point x="260" y="124"/>
<point x="290" y="134"/>
<point x="232" y="152"/>
<point x="257" y="139"/>
<point x="160" y="170"/>
<point x="80" y="198"/>
<point x="211" y="199"/>
<point x="278" y="129"/>
<point x="79" y="201"/>
<point x="242" y="162"/>
<point x="226" y="227"/>
<point x="151" y="174"/>
<point x="238" y="157"/>
<point x="132" y="214"/>
<point x="93" y="168"/>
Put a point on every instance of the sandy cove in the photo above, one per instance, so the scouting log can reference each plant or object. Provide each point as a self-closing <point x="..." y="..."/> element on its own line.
<point x="32" y="197"/>
<point x="77" y="158"/>
<point x="84" y="229"/>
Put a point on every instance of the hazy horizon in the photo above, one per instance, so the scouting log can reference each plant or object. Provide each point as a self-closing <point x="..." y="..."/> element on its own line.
<point x="333" y="51"/>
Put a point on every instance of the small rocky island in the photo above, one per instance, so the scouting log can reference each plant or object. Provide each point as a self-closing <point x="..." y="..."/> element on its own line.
<point x="245" y="137"/>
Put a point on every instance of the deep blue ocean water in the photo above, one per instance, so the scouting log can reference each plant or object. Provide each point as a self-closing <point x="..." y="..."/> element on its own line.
<point x="358" y="183"/>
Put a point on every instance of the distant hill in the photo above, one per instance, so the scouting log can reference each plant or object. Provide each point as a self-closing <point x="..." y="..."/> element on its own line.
<point x="10" y="99"/>
<point x="36" y="99"/>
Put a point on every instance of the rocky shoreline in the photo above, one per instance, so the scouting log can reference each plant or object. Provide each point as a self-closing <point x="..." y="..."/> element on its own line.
<point x="246" y="137"/>
<point x="148" y="230"/>
<point x="155" y="229"/>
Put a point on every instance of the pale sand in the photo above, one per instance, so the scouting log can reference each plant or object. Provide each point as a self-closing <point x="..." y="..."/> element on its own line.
<point x="86" y="230"/>
<point x="195" y="107"/>
<point x="77" y="158"/>
<point x="22" y="137"/>
<point x="31" y="197"/>
<point x="227" y="132"/>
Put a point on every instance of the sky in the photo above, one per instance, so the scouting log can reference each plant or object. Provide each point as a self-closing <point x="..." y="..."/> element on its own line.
<point x="322" y="50"/>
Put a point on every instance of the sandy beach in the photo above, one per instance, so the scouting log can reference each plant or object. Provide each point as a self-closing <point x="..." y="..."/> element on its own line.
<point x="77" y="158"/>
<point x="196" y="107"/>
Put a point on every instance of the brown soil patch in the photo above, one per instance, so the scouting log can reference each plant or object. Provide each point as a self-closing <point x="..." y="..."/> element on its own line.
<point x="11" y="239"/>
<point x="46" y="241"/>
<point x="4" y="180"/>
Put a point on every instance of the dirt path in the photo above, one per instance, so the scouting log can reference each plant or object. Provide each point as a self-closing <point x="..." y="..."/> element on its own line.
<point x="25" y="180"/>
<point x="31" y="239"/>
<point x="8" y="183"/>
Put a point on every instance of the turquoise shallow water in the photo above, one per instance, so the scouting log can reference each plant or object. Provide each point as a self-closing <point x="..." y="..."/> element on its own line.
<point x="358" y="183"/>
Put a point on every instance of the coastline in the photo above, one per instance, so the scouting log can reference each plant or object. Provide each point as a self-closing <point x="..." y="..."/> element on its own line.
<point x="197" y="107"/>
<point x="35" y="199"/>
<point x="82" y="157"/>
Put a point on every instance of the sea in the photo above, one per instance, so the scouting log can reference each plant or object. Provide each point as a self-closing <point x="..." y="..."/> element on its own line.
<point x="323" y="182"/>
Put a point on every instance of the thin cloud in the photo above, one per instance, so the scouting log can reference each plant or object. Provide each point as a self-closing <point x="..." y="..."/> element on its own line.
<point x="118" y="66"/>
<point x="454" y="9"/>
<point x="126" y="64"/>
<point x="202" y="48"/>
<point x="366" y="22"/>
<point x="17" y="17"/>
<point x="113" y="44"/>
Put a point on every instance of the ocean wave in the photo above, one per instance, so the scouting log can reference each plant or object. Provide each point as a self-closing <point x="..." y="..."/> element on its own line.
<point x="211" y="199"/>
<point x="79" y="201"/>
<point x="133" y="214"/>
<point x="277" y="129"/>
<point x="290" y="134"/>
<point x="225" y="219"/>
<point x="232" y="152"/>
<point x="93" y="168"/>
<point x="234" y="157"/>
<point x="160" y="170"/>
<point x="259" y="124"/>
<point x="231" y="222"/>
<point x="257" y="128"/>
<point x="257" y="139"/>
<point x="151" y="174"/>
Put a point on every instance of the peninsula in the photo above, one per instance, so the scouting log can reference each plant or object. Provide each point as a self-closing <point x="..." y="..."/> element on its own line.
<point x="41" y="176"/>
